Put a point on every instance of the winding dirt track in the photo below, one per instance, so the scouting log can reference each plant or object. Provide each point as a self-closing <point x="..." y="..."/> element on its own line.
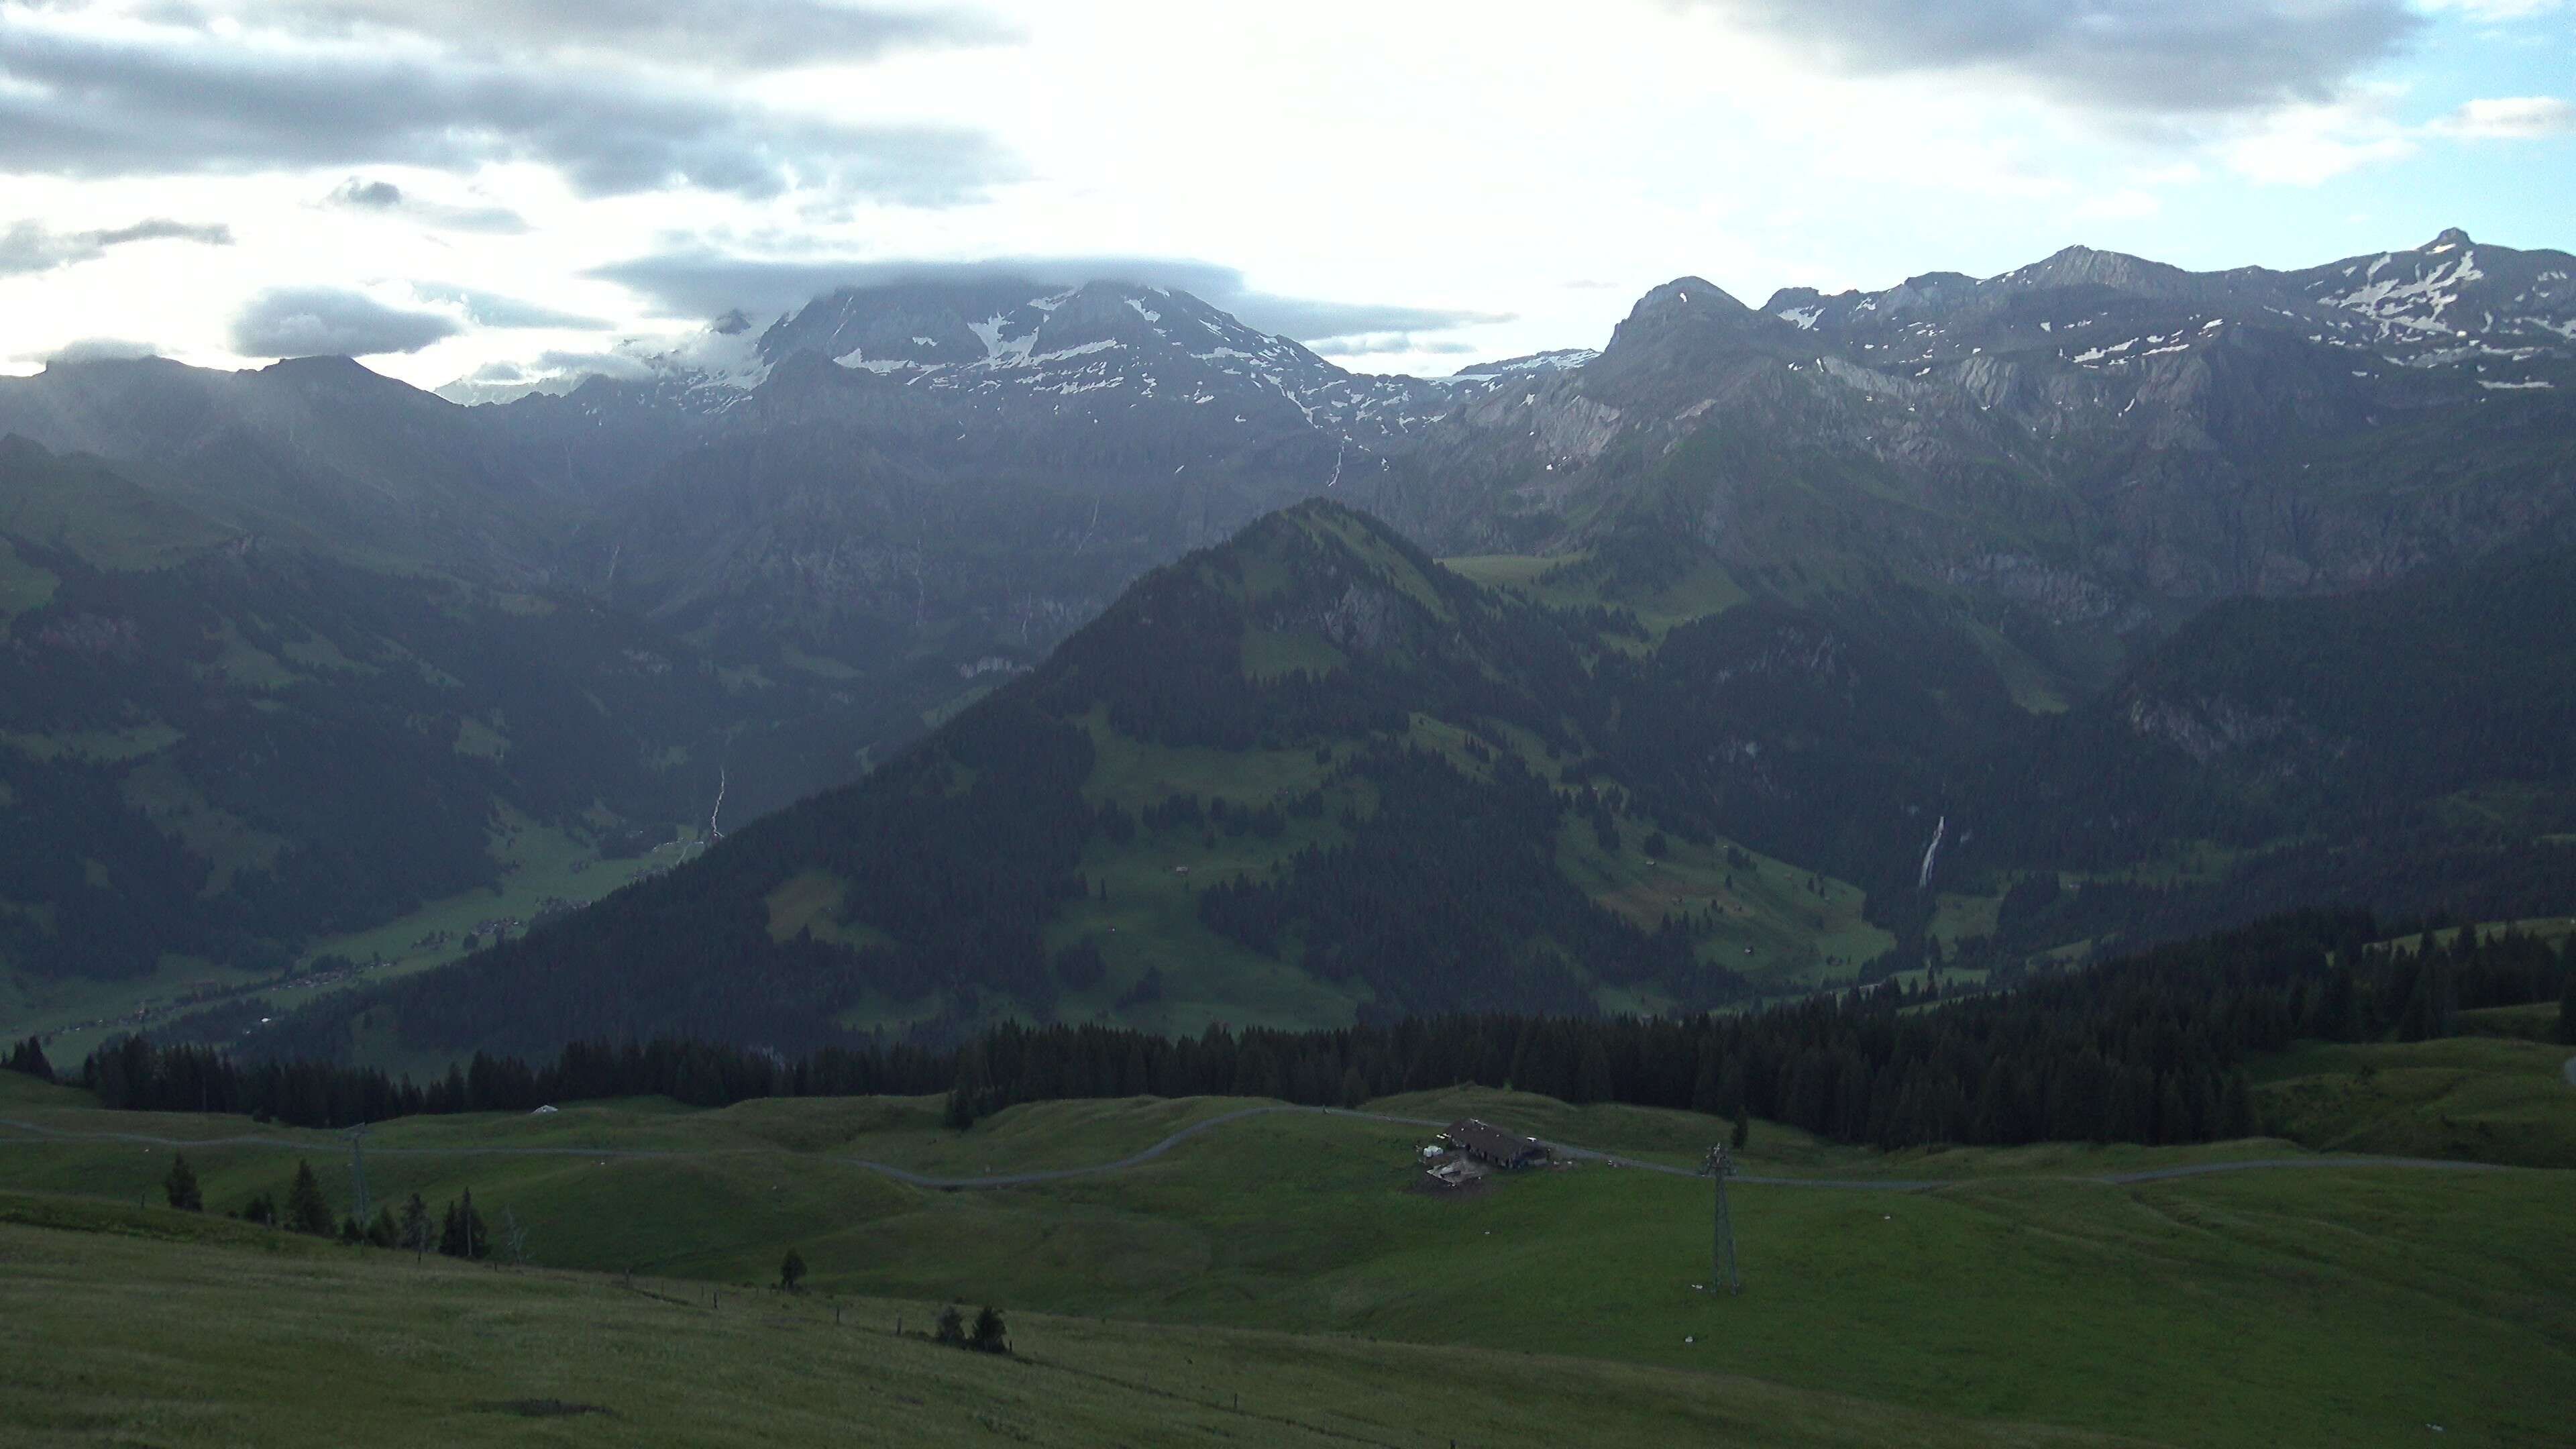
<point x="1136" y="1159"/>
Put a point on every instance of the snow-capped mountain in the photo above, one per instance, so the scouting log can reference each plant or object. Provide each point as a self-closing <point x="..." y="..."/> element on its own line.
<point x="2111" y="435"/>
<point x="2451" y="303"/>
<point x="1097" y="351"/>
<point x="1561" y="359"/>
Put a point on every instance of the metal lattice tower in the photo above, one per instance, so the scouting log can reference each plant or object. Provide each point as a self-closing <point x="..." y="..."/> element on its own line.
<point x="1720" y="1165"/>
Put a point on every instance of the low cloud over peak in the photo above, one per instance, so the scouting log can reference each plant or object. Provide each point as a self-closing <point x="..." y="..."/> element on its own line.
<point x="703" y="283"/>
<point x="326" y="322"/>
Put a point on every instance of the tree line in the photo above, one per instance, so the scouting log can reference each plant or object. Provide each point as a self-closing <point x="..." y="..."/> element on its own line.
<point x="461" y="1231"/>
<point x="2152" y="1048"/>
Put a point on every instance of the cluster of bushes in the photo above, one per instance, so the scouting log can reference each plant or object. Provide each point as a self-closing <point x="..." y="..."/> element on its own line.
<point x="988" y="1335"/>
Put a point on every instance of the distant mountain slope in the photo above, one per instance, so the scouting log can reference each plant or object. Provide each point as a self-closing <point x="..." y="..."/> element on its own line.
<point x="1311" y="775"/>
<point x="2413" y="749"/>
<point x="217" y="745"/>
<point x="1819" y="566"/>
<point x="2096" y="436"/>
<point x="1306" y="774"/>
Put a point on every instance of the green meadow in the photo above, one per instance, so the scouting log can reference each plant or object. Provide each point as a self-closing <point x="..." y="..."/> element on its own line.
<point x="1292" y="1257"/>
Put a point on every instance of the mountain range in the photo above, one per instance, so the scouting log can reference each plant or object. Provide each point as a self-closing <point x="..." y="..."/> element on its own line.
<point x="2170" y="591"/>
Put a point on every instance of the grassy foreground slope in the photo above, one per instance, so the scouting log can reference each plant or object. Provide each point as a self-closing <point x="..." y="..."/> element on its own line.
<point x="2329" y="1305"/>
<point x="2489" y="1098"/>
<point x="120" y="1332"/>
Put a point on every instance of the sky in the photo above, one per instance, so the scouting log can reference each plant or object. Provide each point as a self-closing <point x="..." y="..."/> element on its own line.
<point x="500" y="192"/>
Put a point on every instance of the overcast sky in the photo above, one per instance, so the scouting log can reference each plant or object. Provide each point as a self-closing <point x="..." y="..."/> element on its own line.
<point x="505" y="188"/>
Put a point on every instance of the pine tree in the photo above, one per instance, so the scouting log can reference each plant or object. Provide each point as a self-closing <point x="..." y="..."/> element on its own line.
<point x="462" y="1233"/>
<point x="29" y="1057"/>
<point x="307" y="1211"/>
<point x="2567" y="1010"/>
<point x="990" y="1335"/>
<point x="1743" y="1131"/>
<point x="1592" y="1072"/>
<point x="383" y="1232"/>
<point x="180" y="1187"/>
<point x="416" y="1233"/>
<point x="2235" y="1109"/>
<point x="791" y="1270"/>
<point x="952" y="1327"/>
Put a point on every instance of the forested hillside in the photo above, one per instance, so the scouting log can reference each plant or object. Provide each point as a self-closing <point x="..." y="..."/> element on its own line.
<point x="2151" y="1048"/>
<point x="1844" y="637"/>
<point x="1314" y="777"/>
<point x="224" y="743"/>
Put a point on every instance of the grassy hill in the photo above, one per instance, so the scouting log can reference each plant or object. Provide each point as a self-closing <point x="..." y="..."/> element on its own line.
<point x="435" y="1353"/>
<point x="1303" y="778"/>
<point x="2498" y="1100"/>
<point x="2237" y="1308"/>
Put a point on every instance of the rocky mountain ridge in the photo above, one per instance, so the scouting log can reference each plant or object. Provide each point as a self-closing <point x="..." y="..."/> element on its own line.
<point x="2138" y="433"/>
<point x="848" y="523"/>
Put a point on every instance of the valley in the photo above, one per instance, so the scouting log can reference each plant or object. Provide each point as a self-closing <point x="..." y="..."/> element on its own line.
<point x="796" y="550"/>
<point x="1676" y="722"/>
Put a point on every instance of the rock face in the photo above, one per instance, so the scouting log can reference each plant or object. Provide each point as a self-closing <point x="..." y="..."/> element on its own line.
<point x="902" y="481"/>
<point x="793" y="545"/>
<point x="2099" y="435"/>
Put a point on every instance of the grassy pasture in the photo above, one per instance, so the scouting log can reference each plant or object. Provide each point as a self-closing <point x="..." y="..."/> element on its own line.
<point x="2341" y="1305"/>
<point x="127" y="1328"/>
<point x="2496" y="1099"/>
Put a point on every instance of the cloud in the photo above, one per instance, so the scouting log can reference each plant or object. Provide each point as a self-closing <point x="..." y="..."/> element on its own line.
<point x="2509" y="118"/>
<point x="1387" y="344"/>
<point x="101" y="349"/>
<point x="704" y="283"/>
<point x="83" y="106"/>
<point x="2306" y="145"/>
<point x="358" y="194"/>
<point x="30" y="247"/>
<point x="370" y="195"/>
<point x="759" y="33"/>
<point x="2166" y="58"/>
<point x="553" y="371"/>
<point x="2496" y="12"/>
<point x="1321" y="322"/>
<point x="486" y="309"/>
<point x="701" y="282"/>
<point x="323" y="322"/>
<point x="2129" y="203"/>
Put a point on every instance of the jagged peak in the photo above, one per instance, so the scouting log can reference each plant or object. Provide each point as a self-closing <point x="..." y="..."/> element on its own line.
<point x="2451" y="236"/>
